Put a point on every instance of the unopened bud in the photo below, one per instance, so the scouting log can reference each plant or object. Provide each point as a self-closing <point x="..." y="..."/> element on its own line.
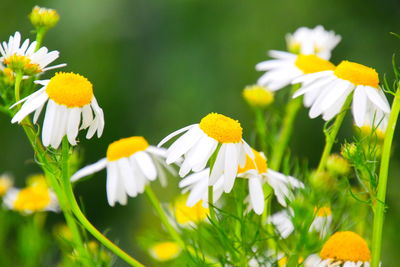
<point x="44" y="18"/>
<point x="258" y="96"/>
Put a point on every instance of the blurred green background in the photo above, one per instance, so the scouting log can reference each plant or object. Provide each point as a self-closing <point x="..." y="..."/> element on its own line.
<point x="158" y="65"/>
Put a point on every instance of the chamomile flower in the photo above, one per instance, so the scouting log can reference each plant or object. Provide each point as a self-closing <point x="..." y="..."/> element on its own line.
<point x="322" y="221"/>
<point x="286" y="67"/>
<point x="165" y="251"/>
<point x="23" y="58"/>
<point x="317" y="41"/>
<point x="131" y="164"/>
<point x="71" y="106"/>
<point x="282" y="221"/>
<point x="6" y="182"/>
<point x="35" y="198"/>
<point x="215" y="131"/>
<point x="257" y="173"/>
<point x="344" y="249"/>
<point x="329" y="90"/>
<point x="186" y="215"/>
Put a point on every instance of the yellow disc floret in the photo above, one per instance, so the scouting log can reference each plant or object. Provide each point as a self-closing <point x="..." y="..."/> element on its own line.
<point x="258" y="96"/>
<point x="44" y="17"/>
<point x="221" y="128"/>
<point x="357" y="74"/>
<point x="185" y="214"/>
<point x="23" y="64"/>
<point x="323" y="211"/>
<point x="70" y="89"/>
<point x="165" y="251"/>
<point x="260" y="163"/>
<point x="346" y="246"/>
<point x="126" y="147"/>
<point x="312" y="63"/>
<point x="32" y="198"/>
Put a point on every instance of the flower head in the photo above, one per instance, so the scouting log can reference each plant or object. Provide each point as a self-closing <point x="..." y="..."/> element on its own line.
<point x="338" y="165"/>
<point x="165" y="251"/>
<point x="24" y="59"/>
<point x="215" y="132"/>
<point x="316" y="41"/>
<point x="285" y="67"/>
<point x="189" y="215"/>
<point x="258" y="96"/>
<point x="322" y="221"/>
<point x="345" y="248"/>
<point x="71" y="106"/>
<point x="33" y="198"/>
<point x="328" y="91"/>
<point x="131" y="164"/>
<point x="41" y="17"/>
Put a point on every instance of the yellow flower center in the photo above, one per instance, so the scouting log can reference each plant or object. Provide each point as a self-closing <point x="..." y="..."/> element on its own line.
<point x="165" y="251"/>
<point x="36" y="179"/>
<point x="5" y="184"/>
<point x="22" y="64"/>
<point x="185" y="214"/>
<point x="357" y="74"/>
<point x="32" y="198"/>
<point x="126" y="147"/>
<point x="221" y="128"/>
<point x="70" y="89"/>
<point x="367" y="130"/>
<point x="260" y="163"/>
<point x="346" y="246"/>
<point x="323" y="211"/>
<point x="312" y="63"/>
<point x="258" y="96"/>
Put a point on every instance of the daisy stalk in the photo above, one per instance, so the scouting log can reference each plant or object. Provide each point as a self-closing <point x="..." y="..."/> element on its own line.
<point x="379" y="208"/>
<point x="291" y="111"/>
<point x="331" y="134"/>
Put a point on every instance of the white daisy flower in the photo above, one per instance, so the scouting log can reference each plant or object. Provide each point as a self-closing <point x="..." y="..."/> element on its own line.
<point x="35" y="198"/>
<point x="23" y="58"/>
<point x="282" y="221"/>
<point x="285" y="67"/>
<point x="257" y="173"/>
<point x="346" y="249"/>
<point x="197" y="145"/>
<point x="322" y="221"/>
<point x="69" y="97"/>
<point x="330" y="89"/>
<point x="317" y="41"/>
<point x="131" y="164"/>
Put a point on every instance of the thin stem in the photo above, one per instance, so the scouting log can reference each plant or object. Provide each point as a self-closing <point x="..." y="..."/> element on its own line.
<point x="40" y="33"/>
<point x="18" y="79"/>
<point x="382" y="183"/>
<point x="96" y="233"/>
<point x="261" y="128"/>
<point x="282" y="141"/>
<point x="330" y="136"/>
<point x="163" y="217"/>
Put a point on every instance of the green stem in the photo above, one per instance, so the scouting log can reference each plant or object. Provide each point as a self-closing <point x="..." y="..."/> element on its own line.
<point x="330" y="135"/>
<point x="279" y="148"/>
<point x="40" y="33"/>
<point x="163" y="217"/>
<point x="18" y="79"/>
<point x="211" y="188"/>
<point x="382" y="182"/>
<point x="261" y="128"/>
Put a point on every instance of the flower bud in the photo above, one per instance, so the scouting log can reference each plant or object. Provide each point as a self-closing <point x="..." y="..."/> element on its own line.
<point x="258" y="96"/>
<point x="337" y="165"/>
<point x="44" y="18"/>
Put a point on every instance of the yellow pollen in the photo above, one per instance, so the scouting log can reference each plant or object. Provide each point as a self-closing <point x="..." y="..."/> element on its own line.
<point x="323" y="211"/>
<point x="346" y="246"/>
<point x="259" y="159"/>
<point x="221" y="128"/>
<point x="126" y="147"/>
<point x="312" y="63"/>
<point x="70" y="89"/>
<point x="258" y="96"/>
<point x="185" y="214"/>
<point x="165" y="251"/>
<point x="32" y="198"/>
<point x="22" y="64"/>
<point x="357" y="74"/>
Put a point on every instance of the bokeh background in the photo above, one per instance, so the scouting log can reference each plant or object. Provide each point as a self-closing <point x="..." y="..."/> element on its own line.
<point x="158" y="65"/>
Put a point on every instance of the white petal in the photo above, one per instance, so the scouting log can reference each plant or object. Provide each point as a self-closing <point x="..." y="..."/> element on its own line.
<point x="256" y="195"/>
<point x="128" y="178"/>
<point x="146" y="165"/>
<point x="359" y="106"/>
<point x="87" y="116"/>
<point x="377" y="98"/>
<point x="85" y="171"/>
<point x="74" y="119"/>
<point x="231" y="167"/>
<point x="49" y="120"/>
<point x="140" y="179"/>
<point x="218" y="167"/>
<point x="112" y="183"/>
<point x="171" y="135"/>
<point x="29" y="106"/>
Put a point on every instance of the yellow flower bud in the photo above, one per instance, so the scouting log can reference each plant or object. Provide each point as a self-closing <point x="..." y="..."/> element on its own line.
<point x="323" y="181"/>
<point x="337" y="165"/>
<point x="44" y="17"/>
<point x="258" y="96"/>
